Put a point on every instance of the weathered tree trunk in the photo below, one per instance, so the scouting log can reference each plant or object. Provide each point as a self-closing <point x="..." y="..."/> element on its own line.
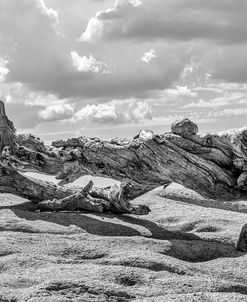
<point x="242" y="240"/>
<point x="50" y="196"/>
<point x="213" y="165"/>
<point x="151" y="161"/>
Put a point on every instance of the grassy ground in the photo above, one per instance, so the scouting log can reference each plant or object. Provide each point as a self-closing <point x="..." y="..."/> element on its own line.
<point x="182" y="251"/>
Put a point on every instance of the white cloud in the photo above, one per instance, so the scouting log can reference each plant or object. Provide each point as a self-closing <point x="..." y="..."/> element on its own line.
<point x="154" y="49"/>
<point x="229" y="112"/>
<point x="181" y="91"/>
<point x="3" y="69"/>
<point x="19" y="93"/>
<point x="136" y="2"/>
<point x="86" y="64"/>
<point x="208" y="89"/>
<point x="45" y="62"/>
<point x="119" y="111"/>
<point x="226" y="100"/>
<point x="94" y="29"/>
<point x="229" y="86"/>
<point x="31" y="42"/>
<point x="147" y="56"/>
<point x="203" y="104"/>
<point x="50" y="12"/>
<point x="97" y="27"/>
<point x="57" y="112"/>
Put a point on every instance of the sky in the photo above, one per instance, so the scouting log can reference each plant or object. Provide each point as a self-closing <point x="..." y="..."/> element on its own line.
<point x="110" y="68"/>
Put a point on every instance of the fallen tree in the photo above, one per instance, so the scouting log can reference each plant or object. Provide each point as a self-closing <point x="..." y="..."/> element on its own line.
<point x="213" y="165"/>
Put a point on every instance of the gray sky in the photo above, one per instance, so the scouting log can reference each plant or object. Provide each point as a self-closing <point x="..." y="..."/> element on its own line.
<point x="110" y="68"/>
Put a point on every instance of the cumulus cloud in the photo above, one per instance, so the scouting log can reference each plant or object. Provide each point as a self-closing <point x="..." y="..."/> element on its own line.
<point x="181" y="91"/>
<point x="86" y="64"/>
<point x="98" y="26"/>
<point x="58" y="112"/>
<point x="44" y="61"/>
<point x="31" y="42"/>
<point x="115" y="112"/>
<point x="147" y="56"/>
<point x="24" y="106"/>
<point x="218" y="26"/>
<point x="50" y="12"/>
<point x="163" y="57"/>
<point x="3" y="69"/>
<point x="179" y="19"/>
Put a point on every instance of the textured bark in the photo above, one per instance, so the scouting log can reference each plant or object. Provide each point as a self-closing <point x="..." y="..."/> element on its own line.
<point x="50" y="196"/>
<point x="210" y="165"/>
<point x="213" y="165"/>
<point x="7" y="129"/>
<point x="242" y="240"/>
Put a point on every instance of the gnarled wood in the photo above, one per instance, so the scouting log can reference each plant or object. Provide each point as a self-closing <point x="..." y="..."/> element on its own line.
<point x="213" y="165"/>
<point x="242" y="240"/>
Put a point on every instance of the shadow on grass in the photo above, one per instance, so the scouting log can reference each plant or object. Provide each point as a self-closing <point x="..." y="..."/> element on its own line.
<point x="184" y="246"/>
<point x="196" y="199"/>
<point x="99" y="224"/>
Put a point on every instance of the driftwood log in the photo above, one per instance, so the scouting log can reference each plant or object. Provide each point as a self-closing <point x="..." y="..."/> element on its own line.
<point x="213" y="165"/>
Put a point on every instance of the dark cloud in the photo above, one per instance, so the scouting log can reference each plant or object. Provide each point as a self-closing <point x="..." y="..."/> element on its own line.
<point x="40" y="57"/>
<point x="223" y="21"/>
<point x="24" y="116"/>
<point x="231" y="64"/>
<point x="137" y="49"/>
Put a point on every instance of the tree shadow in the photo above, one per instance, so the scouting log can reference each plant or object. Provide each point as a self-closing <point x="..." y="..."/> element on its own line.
<point x="193" y="198"/>
<point x="99" y="224"/>
<point x="184" y="246"/>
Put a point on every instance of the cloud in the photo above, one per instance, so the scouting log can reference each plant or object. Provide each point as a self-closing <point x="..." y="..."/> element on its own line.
<point x="181" y="91"/>
<point x="87" y="63"/>
<point x="217" y="26"/>
<point x="179" y="20"/>
<point x="19" y="93"/>
<point x="3" y="69"/>
<point x="222" y="86"/>
<point x="24" y="116"/>
<point x="147" y="56"/>
<point x="31" y="43"/>
<point x="229" y="112"/>
<point x="115" y="112"/>
<point x="231" y="64"/>
<point x="56" y="113"/>
<point x="28" y="109"/>
<point x="164" y="58"/>
<point x="136" y="2"/>
<point x="204" y="104"/>
<point x="208" y="89"/>
<point x="226" y="100"/>
<point x="98" y="26"/>
<point x="46" y="62"/>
